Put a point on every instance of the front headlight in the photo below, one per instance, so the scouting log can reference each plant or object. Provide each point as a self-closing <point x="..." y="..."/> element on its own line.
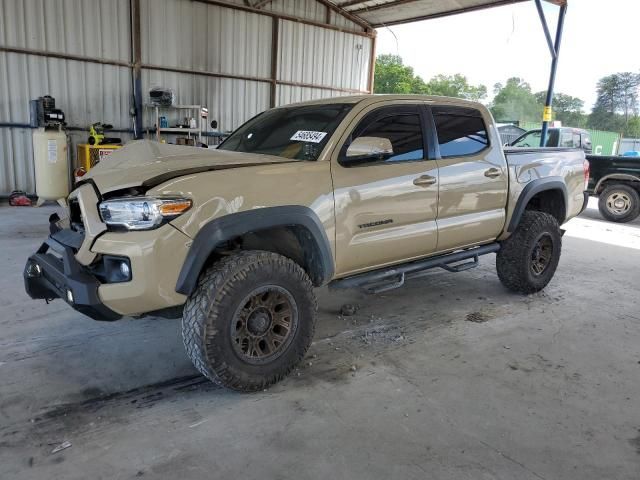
<point x="142" y="213"/>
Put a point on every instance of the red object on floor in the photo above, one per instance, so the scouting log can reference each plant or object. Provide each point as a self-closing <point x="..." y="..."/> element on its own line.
<point x="19" y="198"/>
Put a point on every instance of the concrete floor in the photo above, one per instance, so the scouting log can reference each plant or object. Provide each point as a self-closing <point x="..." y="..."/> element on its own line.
<point x="456" y="378"/>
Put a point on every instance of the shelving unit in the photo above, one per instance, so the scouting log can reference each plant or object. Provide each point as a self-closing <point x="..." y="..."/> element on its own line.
<point x="197" y="114"/>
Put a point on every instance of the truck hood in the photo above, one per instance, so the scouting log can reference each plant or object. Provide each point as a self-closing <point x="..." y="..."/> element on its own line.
<point x="149" y="163"/>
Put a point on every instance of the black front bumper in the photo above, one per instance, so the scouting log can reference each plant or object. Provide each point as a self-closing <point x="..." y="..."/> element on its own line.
<point x="50" y="275"/>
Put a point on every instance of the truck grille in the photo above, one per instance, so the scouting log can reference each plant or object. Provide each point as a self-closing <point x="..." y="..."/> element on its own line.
<point x="75" y="216"/>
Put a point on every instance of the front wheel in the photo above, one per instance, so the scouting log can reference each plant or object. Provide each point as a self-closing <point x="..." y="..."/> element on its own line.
<point x="250" y="320"/>
<point x="527" y="260"/>
<point x="619" y="203"/>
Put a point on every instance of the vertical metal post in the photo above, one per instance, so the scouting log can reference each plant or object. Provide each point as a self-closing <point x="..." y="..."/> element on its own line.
<point x="136" y="54"/>
<point x="555" y="54"/>
<point x="372" y="64"/>
<point x="275" y="33"/>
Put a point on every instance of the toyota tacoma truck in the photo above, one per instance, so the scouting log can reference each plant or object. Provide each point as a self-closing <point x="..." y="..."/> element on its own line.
<point x="351" y="192"/>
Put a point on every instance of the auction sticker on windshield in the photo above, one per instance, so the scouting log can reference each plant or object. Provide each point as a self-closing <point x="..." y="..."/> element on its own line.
<point x="308" y="136"/>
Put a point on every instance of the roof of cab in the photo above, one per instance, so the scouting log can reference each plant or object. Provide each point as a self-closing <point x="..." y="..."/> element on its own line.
<point x="373" y="98"/>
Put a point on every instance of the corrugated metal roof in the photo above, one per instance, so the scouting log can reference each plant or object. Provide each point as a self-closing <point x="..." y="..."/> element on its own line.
<point x="379" y="13"/>
<point x="323" y="57"/>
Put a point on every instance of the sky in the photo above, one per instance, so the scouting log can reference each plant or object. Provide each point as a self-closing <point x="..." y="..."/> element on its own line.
<point x="491" y="45"/>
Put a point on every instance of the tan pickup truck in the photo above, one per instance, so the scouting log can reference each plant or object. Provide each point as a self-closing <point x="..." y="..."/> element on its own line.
<point x="354" y="192"/>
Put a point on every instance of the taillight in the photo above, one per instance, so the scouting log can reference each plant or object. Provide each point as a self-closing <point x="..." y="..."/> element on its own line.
<point x="585" y="168"/>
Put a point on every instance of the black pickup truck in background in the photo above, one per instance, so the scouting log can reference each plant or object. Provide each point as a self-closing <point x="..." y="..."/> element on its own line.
<point x="615" y="180"/>
<point x="567" y="137"/>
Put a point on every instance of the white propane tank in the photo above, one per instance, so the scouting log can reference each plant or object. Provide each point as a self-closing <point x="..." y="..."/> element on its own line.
<point x="51" y="165"/>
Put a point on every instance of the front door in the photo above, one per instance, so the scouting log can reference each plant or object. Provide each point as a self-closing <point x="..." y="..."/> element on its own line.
<point x="386" y="207"/>
<point x="473" y="178"/>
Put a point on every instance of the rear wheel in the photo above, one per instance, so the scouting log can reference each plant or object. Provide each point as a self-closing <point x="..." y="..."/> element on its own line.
<point x="250" y="320"/>
<point x="619" y="203"/>
<point x="527" y="260"/>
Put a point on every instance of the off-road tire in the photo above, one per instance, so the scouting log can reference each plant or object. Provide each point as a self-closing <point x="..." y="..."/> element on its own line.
<point x="209" y="310"/>
<point x="629" y="193"/>
<point x="514" y="259"/>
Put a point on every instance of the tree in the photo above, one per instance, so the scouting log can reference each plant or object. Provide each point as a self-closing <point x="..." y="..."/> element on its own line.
<point x="514" y="101"/>
<point x="392" y="76"/>
<point x="455" y="86"/>
<point x="616" y="106"/>
<point x="566" y="108"/>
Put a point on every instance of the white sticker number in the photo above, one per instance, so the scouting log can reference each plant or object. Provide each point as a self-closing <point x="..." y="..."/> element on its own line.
<point x="308" y="136"/>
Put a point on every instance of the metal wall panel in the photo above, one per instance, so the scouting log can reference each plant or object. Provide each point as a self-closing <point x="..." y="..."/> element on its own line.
<point x="16" y="160"/>
<point x="176" y="34"/>
<point x="92" y="28"/>
<point x="86" y="92"/>
<point x="307" y="9"/>
<point x="230" y="102"/>
<point x="343" y="22"/>
<point x="316" y="55"/>
<point x="197" y="36"/>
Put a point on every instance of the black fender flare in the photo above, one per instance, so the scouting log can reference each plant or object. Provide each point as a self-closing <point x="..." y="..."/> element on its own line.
<point x="625" y="177"/>
<point x="532" y="189"/>
<point x="221" y="229"/>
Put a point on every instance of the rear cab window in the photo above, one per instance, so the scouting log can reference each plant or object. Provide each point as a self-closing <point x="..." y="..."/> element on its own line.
<point x="566" y="139"/>
<point x="461" y="131"/>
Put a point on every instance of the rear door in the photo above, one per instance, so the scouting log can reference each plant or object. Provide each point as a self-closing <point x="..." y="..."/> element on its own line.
<point x="385" y="209"/>
<point x="473" y="178"/>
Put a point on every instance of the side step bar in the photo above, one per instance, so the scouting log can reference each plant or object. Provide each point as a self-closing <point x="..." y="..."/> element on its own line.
<point x="393" y="277"/>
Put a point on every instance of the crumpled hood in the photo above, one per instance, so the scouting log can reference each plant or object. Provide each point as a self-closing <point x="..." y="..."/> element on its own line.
<point x="145" y="162"/>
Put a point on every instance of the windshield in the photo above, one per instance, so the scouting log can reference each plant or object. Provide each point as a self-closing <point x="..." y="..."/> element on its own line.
<point x="292" y="132"/>
<point x="532" y="139"/>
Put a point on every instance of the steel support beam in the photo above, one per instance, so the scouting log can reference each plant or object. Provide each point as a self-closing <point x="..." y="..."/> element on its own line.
<point x="136" y="56"/>
<point x="275" y="48"/>
<point x="555" y="54"/>
<point x="348" y="15"/>
<point x="372" y="65"/>
<point x="64" y="56"/>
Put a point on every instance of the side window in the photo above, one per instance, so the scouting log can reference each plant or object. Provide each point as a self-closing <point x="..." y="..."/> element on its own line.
<point x="386" y="135"/>
<point x="461" y="131"/>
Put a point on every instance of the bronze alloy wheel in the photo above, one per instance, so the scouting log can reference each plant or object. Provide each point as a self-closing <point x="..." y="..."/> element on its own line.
<point x="618" y="202"/>
<point x="541" y="254"/>
<point x="264" y="324"/>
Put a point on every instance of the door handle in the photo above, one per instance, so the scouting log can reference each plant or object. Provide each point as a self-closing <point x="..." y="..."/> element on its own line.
<point x="424" y="180"/>
<point x="492" y="173"/>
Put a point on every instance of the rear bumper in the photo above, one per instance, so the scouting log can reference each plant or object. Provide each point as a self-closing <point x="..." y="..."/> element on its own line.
<point x="585" y="202"/>
<point x="49" y="276"/>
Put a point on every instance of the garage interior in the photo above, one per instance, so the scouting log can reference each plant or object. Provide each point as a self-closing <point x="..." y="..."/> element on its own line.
<point x="449" y="377"/>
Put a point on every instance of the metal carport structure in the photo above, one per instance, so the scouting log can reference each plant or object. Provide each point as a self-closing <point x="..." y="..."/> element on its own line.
<point x="381" y="13"/>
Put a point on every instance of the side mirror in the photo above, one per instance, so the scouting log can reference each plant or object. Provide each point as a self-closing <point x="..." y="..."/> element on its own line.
<point x="214" y="124"/>
<point x="369" y="148"/>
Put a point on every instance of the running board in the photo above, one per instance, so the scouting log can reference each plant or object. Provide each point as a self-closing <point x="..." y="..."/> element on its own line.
<point x="394" y="277"/>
